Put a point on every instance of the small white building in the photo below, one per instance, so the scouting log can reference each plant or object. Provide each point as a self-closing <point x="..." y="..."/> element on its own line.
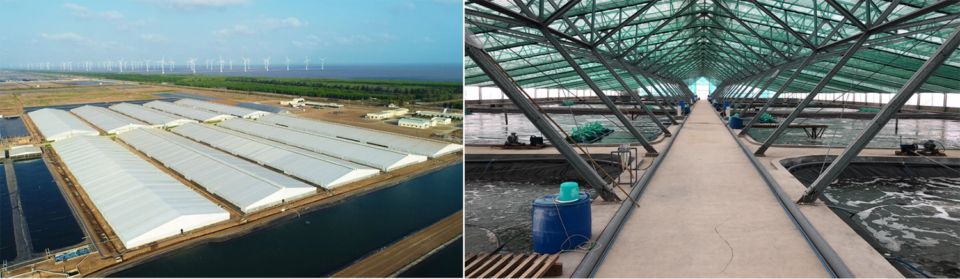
<point x="427" y="113"/>
<point x="399" y="111"/>
<point x="440" y="120"/>
<point x="414" y="123"/>
<point x="379" y="115"/>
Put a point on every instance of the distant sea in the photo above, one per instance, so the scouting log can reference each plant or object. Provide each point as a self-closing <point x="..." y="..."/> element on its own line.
<point x="432" y="72"/>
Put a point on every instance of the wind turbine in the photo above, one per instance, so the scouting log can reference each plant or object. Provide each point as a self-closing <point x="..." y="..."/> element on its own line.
<point x="321" y="62"/>
<point x="306" y="63"/>
<point x="192" y="63"/>
<point x="266" y="63"/>
<point x="244" y="63"/>
<point x="231" y="64"/>
<point x="172" y="64"/>
<point x="163" y="64"/>
<point x="148" y="64"/>
<point x="288" y="63"/>
<point x="221" y="63"/>
<point x="121" y="64"/>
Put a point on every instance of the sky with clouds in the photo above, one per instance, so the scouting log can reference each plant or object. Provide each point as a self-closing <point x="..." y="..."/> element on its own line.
<point x="345" y="32"/>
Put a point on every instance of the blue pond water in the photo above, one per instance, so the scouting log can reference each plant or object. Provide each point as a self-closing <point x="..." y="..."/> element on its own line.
<point x="52" y="225"/>
<point x="324" y="241"/>
<point x="8" y="246"/>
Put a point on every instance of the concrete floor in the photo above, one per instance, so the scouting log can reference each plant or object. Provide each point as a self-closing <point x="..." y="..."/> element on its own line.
<point x="708" y="213"/>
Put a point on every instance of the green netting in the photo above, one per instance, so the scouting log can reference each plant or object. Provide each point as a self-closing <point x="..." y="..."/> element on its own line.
<point x="589" y="132"/>
<point x="869" y="110"/>
<point x="729" y="42"/>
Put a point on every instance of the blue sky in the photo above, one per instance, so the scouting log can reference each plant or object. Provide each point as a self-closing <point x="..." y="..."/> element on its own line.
<point x="345" y="32"/>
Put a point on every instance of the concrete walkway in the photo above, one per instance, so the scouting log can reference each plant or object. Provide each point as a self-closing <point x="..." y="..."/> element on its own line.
<point x="20" y="230"/>
<point x="708" y="213"/>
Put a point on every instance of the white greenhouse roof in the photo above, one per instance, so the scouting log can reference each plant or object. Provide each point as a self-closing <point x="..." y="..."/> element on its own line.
<point x="188" y="112"/>
<point x="151" y="116"/>
<point x="323" y="170"/>
<point x="56" y="124"/>
<point x="221" y="108"/>
<point x="140" y="202"/>
<point x="107" y="120"/>
<point x="247" y="185"/>
<point x="393" y="141"/>
<point x="382" y="158"/>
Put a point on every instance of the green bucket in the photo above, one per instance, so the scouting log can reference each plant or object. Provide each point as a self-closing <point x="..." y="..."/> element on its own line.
<point x="569" y="192"/>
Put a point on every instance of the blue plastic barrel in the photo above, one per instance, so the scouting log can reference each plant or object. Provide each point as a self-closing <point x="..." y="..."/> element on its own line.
<point x="736" y="123"/>
<point x="726" y="105"/>
<point x="680" y="103"/>
<point x="549" y="236"/>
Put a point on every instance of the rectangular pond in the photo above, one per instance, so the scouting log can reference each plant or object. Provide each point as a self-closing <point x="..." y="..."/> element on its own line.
<point x="842" y="132"/>
<point x="8" y="246"/>
<point x="52" y="225"/>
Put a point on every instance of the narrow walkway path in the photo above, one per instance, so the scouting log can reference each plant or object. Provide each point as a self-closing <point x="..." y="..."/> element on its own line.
<point x="708" y="213"/>
<point x="20" y="230"/>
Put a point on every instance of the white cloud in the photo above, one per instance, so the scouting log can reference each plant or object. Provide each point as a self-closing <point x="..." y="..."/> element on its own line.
<point x="77" y="10"/>
<point x="197" y="5"/>
<point x="262" y="24"/>
<point x="132" y="25"/>
<point x="311" y="42"/>
<point x="365" y="40"/>
<point x="75" y="39"/>
<point x="154" y="37"/>
<point x="110" y="15"/>
<point x="69" y="36"/>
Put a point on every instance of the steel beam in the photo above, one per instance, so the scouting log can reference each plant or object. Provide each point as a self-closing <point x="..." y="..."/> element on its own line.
<point x="847" y="15"/>
<point x="734" y="17"/>
<point x="657" y="101"/>
<point x="596" y="90"/>
<point x="823" y="83"/>
<point x="560" y="12"/>
<point x="665" y="22"/>
<point x="783" y="24"/>
<point x="632" y="93"/>
<point x="786" y="84"/>
<point x="529" y="109"/>
<point x="625" y="23"/>
<point x="906" y="92"/>
<point x="764" y="88"/>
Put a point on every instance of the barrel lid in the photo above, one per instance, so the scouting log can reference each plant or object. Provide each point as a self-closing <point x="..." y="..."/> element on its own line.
<point x="551" y="201"/>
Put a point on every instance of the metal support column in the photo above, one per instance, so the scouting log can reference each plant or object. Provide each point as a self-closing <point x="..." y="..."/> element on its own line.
<point x="783" y="87"/>
<point x="764" y="88"/>
<point x="596" y="90"/>
<point x="913" y="84"/>
<point x="655" y="100"/>
<point x="603" y="61"/>
<point x="823" y="83"/>
<point x="510" y="89"/>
